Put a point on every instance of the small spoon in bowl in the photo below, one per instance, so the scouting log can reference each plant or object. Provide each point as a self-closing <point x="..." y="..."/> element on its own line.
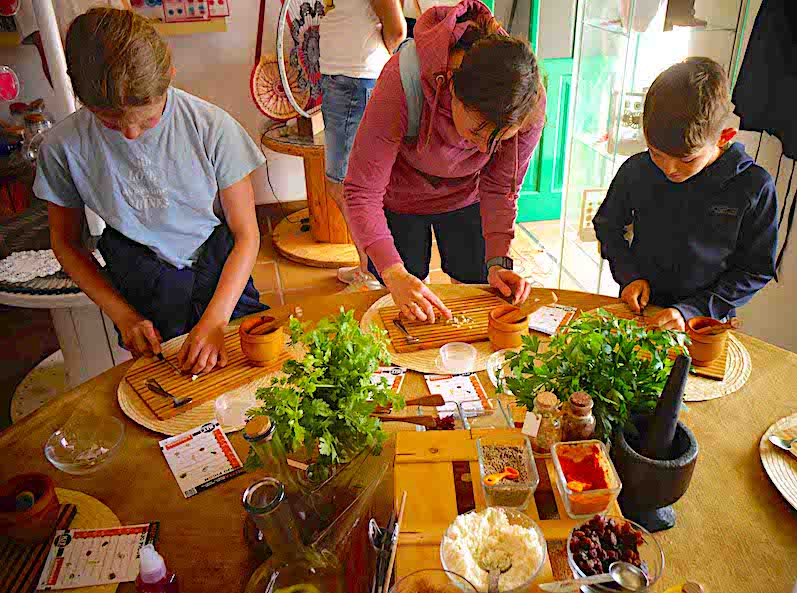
<point x="496" y="566"/>
<point x="628" y="576"/>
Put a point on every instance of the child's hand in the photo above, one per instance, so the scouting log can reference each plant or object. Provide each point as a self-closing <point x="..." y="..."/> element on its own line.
<point x="636" y="295"/>
<point x="669" y="319"/>
<point x="203" y="349"/>
<point x="139" y="335"/>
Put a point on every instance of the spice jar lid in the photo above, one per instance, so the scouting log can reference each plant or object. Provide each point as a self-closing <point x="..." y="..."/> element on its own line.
<point x="546" y="400"/>
<point x="35" y="118"/>
<point x="581" y="403"/>
<point x="258" y="428"/>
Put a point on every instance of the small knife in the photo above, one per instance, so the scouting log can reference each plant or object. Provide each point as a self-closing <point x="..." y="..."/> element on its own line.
<point x="160" y="356"/>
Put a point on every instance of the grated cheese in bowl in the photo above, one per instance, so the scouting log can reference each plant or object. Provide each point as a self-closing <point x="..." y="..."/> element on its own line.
<point x="475" y="540"/>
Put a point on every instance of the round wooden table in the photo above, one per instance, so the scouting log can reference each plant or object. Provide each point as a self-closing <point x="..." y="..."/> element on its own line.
<point x="735" y="532"/>
<point x="317" y="236"/>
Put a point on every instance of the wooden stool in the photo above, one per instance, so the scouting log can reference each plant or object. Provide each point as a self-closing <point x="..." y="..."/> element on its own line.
<point x="328" y="244"/>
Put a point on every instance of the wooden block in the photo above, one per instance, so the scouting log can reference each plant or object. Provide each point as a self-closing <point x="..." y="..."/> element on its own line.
<point x="315" y="182"/>
<point x="424" y="509"/>
<point x="435" y="446"/>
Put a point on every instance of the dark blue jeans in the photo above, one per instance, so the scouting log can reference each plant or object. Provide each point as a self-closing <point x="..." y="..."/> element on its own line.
<point x="173" y="300"/>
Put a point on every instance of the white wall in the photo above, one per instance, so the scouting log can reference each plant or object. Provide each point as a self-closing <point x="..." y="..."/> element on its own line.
<point x="771" y="315"/>
<point x="214" y="66"/>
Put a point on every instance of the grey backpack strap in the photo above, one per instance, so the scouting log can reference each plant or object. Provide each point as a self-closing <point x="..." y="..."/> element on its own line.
<point x="410" y="69"/>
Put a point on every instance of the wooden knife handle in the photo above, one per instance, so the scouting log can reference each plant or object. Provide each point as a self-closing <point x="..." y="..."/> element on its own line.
<point x="425" y="400"/>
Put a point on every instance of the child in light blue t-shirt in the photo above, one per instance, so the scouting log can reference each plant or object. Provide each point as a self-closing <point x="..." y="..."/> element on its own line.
<point x="151" y="160"/>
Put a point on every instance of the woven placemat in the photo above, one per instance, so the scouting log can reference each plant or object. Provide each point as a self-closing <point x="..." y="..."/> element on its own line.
<point x="425" y="361"/>
<point x="91" y="514"/>
<point x="737" y="367"/>
<point x="780" y="465"/>
<point x="138" y="411"/>
<point x="54" y="284"/>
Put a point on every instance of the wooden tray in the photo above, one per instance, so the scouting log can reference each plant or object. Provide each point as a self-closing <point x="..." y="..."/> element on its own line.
<point x="21" y="564"/>
<point x="207" y="387"/>
<point x="716" y="370"/>
<point x="477" y="307"/>
<point x="446" y="463"/>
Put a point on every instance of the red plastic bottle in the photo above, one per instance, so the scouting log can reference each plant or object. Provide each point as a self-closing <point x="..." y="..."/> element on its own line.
<point x="152" y="575"/>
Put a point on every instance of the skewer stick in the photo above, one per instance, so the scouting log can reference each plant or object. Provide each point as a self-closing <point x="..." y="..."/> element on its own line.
<point x="395" y="541"/>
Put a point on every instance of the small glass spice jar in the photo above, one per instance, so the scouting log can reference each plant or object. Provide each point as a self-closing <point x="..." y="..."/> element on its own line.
<point x="546" y="406"/>
<point x="578" y="422"/>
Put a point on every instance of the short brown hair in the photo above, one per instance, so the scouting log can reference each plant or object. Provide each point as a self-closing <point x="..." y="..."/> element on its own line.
<point x="116" y="59"/>
<point x="686" y="107"/>
<point x="499" y="76"/>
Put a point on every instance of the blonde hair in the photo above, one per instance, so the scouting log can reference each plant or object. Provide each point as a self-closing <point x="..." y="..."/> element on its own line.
<point x="116" y="59"/>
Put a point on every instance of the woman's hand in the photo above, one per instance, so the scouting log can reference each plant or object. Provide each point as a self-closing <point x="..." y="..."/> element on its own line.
<point x="203" y="349"/>
<point x="139" y="335"/>
<point x="412" y="296"/>
<point x="509" y="282"/>
<point x="668" y="319"/>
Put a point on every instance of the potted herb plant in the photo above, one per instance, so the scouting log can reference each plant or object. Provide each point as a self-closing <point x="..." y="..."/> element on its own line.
<point x="621" y="365"/>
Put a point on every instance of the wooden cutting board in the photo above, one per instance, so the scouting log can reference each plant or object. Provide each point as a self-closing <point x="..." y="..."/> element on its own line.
<point x="476" y="307"/>
<point x="207" y="387"/>
<point x="716" y="370"/>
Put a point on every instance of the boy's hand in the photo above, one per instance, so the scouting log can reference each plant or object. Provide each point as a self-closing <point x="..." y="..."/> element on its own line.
<point x="139" y="335"/>
<point x="509" y="282"/>
<point x="668" y="319"/>
<point x="203" y="349"/>
<point x="636" y="295"/>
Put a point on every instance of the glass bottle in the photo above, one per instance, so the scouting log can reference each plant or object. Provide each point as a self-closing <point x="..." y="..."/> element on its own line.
<point x="289" y="564"/>
<point x="578" y="423"/>
<point x="546" y="407"/>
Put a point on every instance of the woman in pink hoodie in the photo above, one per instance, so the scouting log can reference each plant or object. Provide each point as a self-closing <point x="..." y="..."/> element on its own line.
<point x="482" y="116"/>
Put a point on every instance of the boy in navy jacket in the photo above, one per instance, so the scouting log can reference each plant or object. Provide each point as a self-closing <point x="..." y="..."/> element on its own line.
<point x="703" y="213"/>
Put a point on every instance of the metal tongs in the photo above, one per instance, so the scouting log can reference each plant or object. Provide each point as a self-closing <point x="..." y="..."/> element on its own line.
<point x="384" y="541"/>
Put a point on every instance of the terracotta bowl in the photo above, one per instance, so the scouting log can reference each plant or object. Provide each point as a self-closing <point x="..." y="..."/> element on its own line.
<point x="705" y="349"/>
<point x="36" y="524"/>
<point x="506" y="335"/>
<point x="261" y="350"/>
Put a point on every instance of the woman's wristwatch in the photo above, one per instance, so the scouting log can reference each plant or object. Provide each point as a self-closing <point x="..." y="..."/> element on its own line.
<point x="501" y="262"/>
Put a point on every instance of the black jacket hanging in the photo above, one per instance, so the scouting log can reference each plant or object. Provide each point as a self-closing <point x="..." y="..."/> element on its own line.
<point x="767" y="84"/>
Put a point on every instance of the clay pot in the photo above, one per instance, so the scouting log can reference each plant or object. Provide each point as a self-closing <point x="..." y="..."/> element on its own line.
<point x="36" y="524"/>
<point x="704" y="349"/>
<point x="506" y="335"/>
<point x="261" y="350"/>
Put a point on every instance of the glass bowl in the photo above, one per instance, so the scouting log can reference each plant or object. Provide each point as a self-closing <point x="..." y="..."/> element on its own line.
<point x="515" y="518"/>
<point x="457" y="357"/>
<point x="476" y="414"/>
<point x="650" y="552"/>
<point x="498" y="367"/>
<point x="84" y="443"/>
<point x="433" y="580"/>
<point x="582" y="504"/>
<point x="515" y="494"/>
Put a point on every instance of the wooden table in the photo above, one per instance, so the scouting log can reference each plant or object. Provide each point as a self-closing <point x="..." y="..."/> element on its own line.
<point x="328" y="243"/>
<point x="735" y="533"/>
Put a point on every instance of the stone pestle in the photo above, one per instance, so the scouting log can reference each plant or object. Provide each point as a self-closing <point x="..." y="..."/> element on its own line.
<point x="657" y="443"/>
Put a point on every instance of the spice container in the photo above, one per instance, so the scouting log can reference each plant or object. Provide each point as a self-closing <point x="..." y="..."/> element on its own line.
<point x="546" y="407"/>
<point x="500" y="451"/>
<point x="586" y="477"/>
<point x="578" y="423"/>
<point x="476" y="414"/>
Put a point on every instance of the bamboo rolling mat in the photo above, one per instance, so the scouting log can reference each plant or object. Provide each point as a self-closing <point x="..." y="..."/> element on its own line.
<point x="476" y="307"/>
<point x="21" y="565"/>
<point x="207" y="387"/>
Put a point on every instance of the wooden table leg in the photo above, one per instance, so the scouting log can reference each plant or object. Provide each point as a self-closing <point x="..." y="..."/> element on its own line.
<point x="327" y="224"/>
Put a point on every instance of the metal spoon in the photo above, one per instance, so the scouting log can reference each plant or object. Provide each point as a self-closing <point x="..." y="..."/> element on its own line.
<point x="155" y="387"/>
<point x="783" y="443"/>
<point x="409" y="338"/>
<point x="628" y="576"/>
<point x="496" y="567"/>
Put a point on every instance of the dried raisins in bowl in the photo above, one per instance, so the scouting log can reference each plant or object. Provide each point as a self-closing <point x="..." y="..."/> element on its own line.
<point x="597" y="542"/>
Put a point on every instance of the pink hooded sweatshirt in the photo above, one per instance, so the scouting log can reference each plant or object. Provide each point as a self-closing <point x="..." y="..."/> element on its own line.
<point x="442" y="171"/>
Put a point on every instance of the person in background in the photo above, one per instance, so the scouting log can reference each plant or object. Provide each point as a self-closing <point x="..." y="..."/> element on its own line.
<point x="169" y="174"/>
<point x="703" y="213"/>
<point x="480" y="108"/>
<point x="357" y="39"/>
